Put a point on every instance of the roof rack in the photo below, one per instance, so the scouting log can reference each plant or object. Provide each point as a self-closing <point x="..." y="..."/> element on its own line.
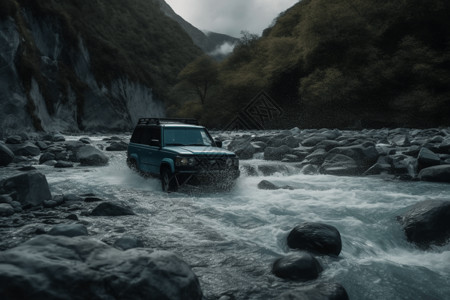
<point x="158" y="121"/>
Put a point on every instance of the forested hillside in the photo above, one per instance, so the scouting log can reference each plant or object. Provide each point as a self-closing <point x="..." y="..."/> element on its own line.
<point x="338" y="63"/>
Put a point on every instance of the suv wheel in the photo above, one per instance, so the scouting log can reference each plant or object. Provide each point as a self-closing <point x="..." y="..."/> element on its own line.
<point x="168" y="181"/>
<point x="132" y="164"/>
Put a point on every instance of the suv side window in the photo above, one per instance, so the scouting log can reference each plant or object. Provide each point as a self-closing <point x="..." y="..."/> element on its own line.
<point x="150" y="133"/>
<point x="136" y="137"/>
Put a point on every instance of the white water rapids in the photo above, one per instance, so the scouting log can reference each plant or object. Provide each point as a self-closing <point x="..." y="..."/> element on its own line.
<point x="231" y="238"/>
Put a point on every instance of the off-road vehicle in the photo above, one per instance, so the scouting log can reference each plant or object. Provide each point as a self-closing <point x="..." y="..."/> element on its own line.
<point x="179" y="152"/>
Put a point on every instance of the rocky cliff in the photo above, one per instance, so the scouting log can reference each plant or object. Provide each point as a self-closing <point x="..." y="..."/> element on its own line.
<point x="86" y="65"/>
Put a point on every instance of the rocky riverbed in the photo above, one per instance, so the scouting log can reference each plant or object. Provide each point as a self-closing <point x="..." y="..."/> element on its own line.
<point x="316" y="213"/>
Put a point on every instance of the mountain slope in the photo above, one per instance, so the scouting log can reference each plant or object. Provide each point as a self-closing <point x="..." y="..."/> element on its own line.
<point x="208" y="42"/>
<point x="86" y="64"/>
<point x="344" y="64"/>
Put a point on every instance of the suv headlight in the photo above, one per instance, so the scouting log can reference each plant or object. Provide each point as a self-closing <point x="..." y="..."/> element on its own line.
<point x="183" y="161"/>
<point x="233" y="161"/>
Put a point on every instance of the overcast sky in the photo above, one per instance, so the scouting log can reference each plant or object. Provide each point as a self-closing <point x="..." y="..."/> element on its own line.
<point x="230" y="16"/>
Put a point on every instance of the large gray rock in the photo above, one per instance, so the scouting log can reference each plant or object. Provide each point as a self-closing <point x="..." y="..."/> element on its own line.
<point x="243" y="147"/>
<point x="315" y="237"/>
<point x="57" y="267"/>
<point x="6" y="210"/>
<point x="30" y="189"/>
<point x="427" y="223"/>
<point x="321" y="291"/>
<point x="111" y="210"/>
<point x="91" y="156"/>
<point x="26" y="149"/>
<point x="299" y="266"/>
<point x="276" y="153"/>
<point x="69" y="230"/>
<point x="427" y="158"/>
<point x="364" y="156"/>
<point x="437" y="174"/>
<point x="6" y="155"/>
<point x="340" y="165"/>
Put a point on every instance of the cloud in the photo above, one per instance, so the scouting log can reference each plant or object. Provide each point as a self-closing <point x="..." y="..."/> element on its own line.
<point x="230" y="16"/>
<point x="223" y="50"/>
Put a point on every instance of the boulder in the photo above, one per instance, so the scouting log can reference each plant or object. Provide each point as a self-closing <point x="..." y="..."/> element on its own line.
<point x="14" y="139"/>
<point x="128" y="242"/>
<point x="6" y="210"/>
<point x="91" y="156"/>
<point x="243" y="147"/>
<point x="320" y="291"/>
<point x="26" y="149"/>
<point x="315" y="237"/>
<point x="117" y="146"/>
<point x="314" y="140"/>
<point x="364" y="155"/>
<point x="437" y="174"/>
<point x="58" y="137"/>
<point x="299" y="266"/>
<point x="267" y="185"/>
<point x="340" y="165"/>
<point x="69" y="230"/>
<point x="63" y="164"/>
<point x="46" y="157"/>
<point x="317" y="157"/>
<point x="31" y="189"/>
<point x="6" y="155"/>
<point x="111" y="209"/>
<point x="427" y="158"/>
<point x="427" y="223"/>
<point x="58" y="267"/>
<point x="276" y="153"/>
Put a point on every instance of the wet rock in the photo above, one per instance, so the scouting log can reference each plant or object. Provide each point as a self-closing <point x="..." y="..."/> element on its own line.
<point x="31" y="189"/>
<point x="267" y="185"/>
<point x="50" y="204"/>
<point x="57" y="267"/>
<point x="314" y="140"/>
<point x="6" y="210"/>
<point x="310" y="169"/>
<point x="42" y="145"/>
<point x="340" y="165"/>
<point x="364" y="155"/>
<point x="46" y="157"/>
<point x="58" y="137"/>
<point x="72" y="197"/>
<point x="91" y="156"/>
<point x="117" y="146"/>
<point x="63" y="164"/>
<point x="427" y="158"/>
<point x="50" y="163"/>
<point x="68" y="230"/>
<point x="128" y="242"/>
<point x="26" y="149"/>
<point x="6" y="155"/>
<point x="73" y="145"/>
<point x="85" y="140"/>
<point x="444" y="147"/>
<point x="317" y="157"/>
<point x="72" y="217"/>
<point x="400" y="140"/>
<point x="427" y="223"/>
<point x="291" y="158"/>
<point x="299" y="266"/>
<point x="243" y="147"/>
<point x="272" y="153"/>
<point x="14" y="139"/>
<point x="437" y="174"/>
<point x="111" y="209"/>
<point x="26" y="168"/>
<point x="321" y="291"/>
<point x="268" y="170"/>
<point x="315" y="237"/>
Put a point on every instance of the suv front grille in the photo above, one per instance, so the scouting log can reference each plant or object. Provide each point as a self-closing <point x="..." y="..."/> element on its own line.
<point x="210" y="163"/>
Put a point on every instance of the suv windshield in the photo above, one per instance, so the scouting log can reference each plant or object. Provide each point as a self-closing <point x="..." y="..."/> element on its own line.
<point x="178" y="136"/>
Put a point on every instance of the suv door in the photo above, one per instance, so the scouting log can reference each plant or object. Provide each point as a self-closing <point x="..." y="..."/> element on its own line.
<point x="149" y="155"/>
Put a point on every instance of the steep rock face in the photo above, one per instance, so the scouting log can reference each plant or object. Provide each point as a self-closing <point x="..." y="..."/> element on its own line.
<point x="59" y="73"/>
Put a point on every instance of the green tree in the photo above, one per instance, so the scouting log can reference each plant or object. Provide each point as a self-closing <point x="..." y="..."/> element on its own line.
<point x="199" y="76"/>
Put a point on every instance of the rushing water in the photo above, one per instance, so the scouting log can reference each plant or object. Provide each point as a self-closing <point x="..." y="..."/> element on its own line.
<point x="232" y="238"/>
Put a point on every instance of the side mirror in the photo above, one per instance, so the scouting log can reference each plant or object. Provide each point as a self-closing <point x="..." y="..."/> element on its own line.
<point x="155" y="143"/>
<point x="218" y="143"/>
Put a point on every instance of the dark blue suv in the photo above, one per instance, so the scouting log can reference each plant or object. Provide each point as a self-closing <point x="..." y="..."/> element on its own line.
<point x="180" y="151"/>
